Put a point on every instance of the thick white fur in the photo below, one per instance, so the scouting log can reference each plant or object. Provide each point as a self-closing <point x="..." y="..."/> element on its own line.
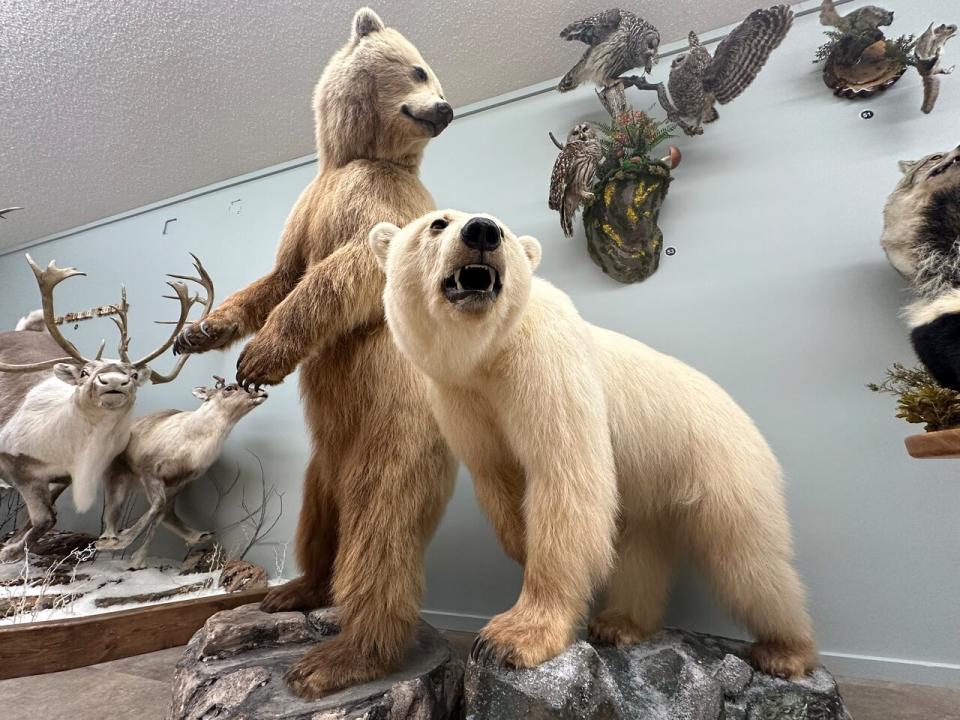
<point x="598" y="459"/>
<point x="33" y="321"/>
<point x="926" y="310"/>
<point x="70" y="434"/>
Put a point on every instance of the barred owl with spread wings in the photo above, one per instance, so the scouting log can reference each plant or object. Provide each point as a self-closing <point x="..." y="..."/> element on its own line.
<point x="573" y="174"/>
<point x="698" y="81"/>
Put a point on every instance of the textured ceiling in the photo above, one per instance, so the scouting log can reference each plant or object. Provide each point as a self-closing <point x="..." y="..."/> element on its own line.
<point x="107" y="106"/>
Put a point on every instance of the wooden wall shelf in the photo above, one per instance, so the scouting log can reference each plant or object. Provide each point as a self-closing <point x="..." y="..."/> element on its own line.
<point x="940" y="444"/>
<point x="54" y="645"/>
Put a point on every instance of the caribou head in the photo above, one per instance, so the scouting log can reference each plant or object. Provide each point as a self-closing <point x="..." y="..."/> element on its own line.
<point x="111" y="383"/>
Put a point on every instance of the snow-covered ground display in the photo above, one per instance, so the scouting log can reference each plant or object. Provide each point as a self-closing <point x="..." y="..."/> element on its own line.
<point x="72" y="580"/>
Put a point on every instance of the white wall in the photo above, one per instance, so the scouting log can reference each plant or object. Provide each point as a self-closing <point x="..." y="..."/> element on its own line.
<point x="778" y="290"/>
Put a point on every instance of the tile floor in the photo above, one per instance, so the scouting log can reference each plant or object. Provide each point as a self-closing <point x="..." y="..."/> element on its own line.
<point x="138" y="688"/>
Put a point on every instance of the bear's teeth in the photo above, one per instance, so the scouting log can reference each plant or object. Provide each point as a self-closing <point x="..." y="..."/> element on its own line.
<point x="456" y="278"/>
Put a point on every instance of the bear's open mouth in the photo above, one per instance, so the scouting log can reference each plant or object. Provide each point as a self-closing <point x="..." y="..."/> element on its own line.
<point x="473" y="284"/>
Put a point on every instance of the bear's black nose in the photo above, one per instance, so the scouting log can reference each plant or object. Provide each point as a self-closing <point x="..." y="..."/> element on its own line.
<point x="481" y="234"/>
<point x="442" y="116"/>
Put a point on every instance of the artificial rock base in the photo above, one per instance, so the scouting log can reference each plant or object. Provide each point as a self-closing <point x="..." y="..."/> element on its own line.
<point x="234" y="668"/>
<point x="676" y="675"/>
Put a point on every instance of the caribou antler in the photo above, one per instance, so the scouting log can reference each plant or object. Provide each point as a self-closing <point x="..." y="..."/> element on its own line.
<point x="48" y="279"/>
<point x="186" y="303"/>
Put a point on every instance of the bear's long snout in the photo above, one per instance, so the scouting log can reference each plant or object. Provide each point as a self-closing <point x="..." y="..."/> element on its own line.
<point x="481" y="234"/>
<point x="442" y="116"/>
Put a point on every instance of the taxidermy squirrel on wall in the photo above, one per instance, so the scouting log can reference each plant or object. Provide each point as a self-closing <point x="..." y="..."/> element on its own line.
<point x="921" y="237"/>
<point x="167" y="451"/>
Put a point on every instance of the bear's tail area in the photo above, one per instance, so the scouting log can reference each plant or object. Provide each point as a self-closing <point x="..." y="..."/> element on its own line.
<point x="573" y="78"/>
<point x="935" y="335"/>
<point x="32" y="322"/>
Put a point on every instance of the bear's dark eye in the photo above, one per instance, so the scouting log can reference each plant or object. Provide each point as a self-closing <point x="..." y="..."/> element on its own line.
<point x="419" y="73"/>
<point x="438" y="224"/>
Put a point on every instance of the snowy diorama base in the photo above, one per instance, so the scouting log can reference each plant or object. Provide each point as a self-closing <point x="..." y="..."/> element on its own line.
<point x="65" y="594"/>
<point x="65" y="578"/>
<point x="234" y="668"/>
<point x="676" y="675"/>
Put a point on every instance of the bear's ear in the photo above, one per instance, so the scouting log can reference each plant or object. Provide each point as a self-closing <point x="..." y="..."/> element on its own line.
<point x="365" y="22"/>
<point x="379" y="241"/>
<point x="906" y="166"/>
<point x="531" y="248"/>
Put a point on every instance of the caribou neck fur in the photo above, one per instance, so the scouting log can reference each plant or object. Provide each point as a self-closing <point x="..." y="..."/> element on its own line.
<point x="59" y="426"/>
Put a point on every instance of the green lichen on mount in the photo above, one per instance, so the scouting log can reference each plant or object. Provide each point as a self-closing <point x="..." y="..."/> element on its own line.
<point x="919" y="398"/>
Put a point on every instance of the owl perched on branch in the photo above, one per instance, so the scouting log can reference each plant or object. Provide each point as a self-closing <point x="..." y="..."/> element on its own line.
<point x="697" y="81"/>
<point x="573" y="173"/>
<point x="618" y="40"/>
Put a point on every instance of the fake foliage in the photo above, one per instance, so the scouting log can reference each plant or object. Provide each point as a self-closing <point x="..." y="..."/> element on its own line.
<point x="620" y="222"/>
<point x="850" y="45"/>
<point x="919" y="398"/>
<point x="626" y="144"/>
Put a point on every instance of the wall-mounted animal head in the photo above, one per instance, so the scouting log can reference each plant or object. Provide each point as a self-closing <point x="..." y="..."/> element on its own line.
<point x="232" y="399"/>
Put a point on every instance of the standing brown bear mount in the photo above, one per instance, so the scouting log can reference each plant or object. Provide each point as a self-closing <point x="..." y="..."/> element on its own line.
<point x="380" y="474"/>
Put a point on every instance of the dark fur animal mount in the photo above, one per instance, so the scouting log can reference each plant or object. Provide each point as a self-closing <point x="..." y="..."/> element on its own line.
<point x="921" y="238"/>
<point x="167" y="451"/>
<point x="64" y="417"/>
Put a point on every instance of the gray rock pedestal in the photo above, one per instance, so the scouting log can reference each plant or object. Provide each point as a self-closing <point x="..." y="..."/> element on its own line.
<point x="676" y="675"/>
<point x="234" y="665"/>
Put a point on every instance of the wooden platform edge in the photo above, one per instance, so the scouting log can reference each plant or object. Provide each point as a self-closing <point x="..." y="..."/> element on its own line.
<point x="54" y="645"/>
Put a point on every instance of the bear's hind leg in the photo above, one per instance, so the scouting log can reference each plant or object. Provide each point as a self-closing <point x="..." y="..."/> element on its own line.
<point x="745" y="550"/>
<point x="378" y="574"/>
<point x="316" y="545"/>
<point x="636" y="595"/>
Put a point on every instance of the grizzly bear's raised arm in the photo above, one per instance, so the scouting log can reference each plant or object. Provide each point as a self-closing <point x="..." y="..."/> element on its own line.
<point x="246" y="310"/>
<point x="339" y="294"/>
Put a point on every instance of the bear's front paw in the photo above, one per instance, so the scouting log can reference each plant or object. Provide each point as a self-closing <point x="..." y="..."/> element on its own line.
<point x="266" y="360"/>
<point x="209" y="334"/>
<point x="519" y="639"/>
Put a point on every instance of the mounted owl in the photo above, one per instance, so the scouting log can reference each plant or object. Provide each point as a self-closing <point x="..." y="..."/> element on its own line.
<point x="573" y="174"/>
<point x="698" y="81"/>
<point x="618" y="41"/>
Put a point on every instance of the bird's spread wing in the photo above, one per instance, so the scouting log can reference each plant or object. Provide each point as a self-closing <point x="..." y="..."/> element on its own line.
<point x="558" y="179"/>
<point x="593" y="29"/>
<point x="742" y="53"/>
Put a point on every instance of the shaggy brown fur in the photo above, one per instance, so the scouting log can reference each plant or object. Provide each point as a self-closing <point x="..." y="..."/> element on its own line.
<point x="380" y="474"/>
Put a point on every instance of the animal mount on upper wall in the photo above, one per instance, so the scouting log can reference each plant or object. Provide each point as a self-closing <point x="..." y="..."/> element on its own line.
<point x="617" y="41"/>
<point x="921" y="237"/>
<point x="697" y="80"/>
<point x="860" y="61"/>
<point x="622" y="187"/>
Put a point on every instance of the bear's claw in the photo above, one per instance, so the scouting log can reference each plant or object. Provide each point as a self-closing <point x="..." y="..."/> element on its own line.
<point x="486" y="652"/>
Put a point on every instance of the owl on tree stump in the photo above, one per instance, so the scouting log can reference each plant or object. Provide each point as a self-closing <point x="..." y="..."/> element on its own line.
<point x="573" y="174"/>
